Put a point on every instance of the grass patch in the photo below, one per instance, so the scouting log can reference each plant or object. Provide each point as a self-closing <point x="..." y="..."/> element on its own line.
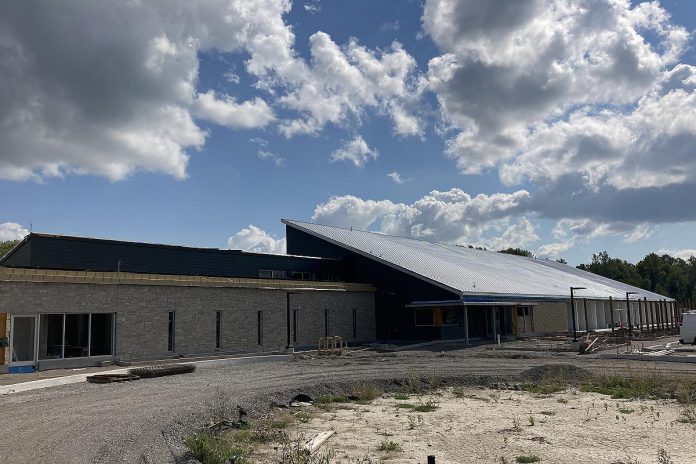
<point x="212" y="449"/>
<point x="548" y="413"/>
<point x="562" y="400"/>
<point x="628" y="387"/>
<point x="405" y="406"/>
<point x="388" y="446"/>
<point x="527" y="459"/>
<point x="626" y="410"/>
<point x="303" y="416"/>
<point x="688" y="415"/>
<point x="402" y="397"/>
<point x="365" y="394"/>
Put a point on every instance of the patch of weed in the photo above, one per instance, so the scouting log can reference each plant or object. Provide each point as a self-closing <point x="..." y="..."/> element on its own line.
<point x="626" y="410"/>
<point x="548" y="413"/>
<point x="401" y="397"/>
<point x="388" y="446"/>
<point x="688" y="415"/>
<point x="527" y="459"/>
<point x="213" y="449"/>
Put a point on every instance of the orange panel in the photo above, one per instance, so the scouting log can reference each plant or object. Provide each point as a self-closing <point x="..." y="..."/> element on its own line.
<point x="437" y="316"/>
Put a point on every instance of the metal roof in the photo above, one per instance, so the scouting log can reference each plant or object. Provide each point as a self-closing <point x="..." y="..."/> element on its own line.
<point x="471" y="272"/>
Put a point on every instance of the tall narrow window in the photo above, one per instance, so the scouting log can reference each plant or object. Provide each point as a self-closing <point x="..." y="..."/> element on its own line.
<point x="355" y="323"/>
<point x="259" y="327"/>
<point x="218" y="327"/>
<point x="294" y="326"/>
<point x="172" y="330"/>
<point x="326" y="322"/>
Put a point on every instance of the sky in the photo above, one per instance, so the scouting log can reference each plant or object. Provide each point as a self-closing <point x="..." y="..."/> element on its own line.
<point x="562" y="127"/>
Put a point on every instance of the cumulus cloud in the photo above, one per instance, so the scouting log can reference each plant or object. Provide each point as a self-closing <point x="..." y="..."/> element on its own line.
<point x="355" y="151"/>
<point x="507" y="66"/>
<point x="452" y="216"/>
<point x="554" y="250"/>
<point x="683" y="253"/>
<point x="227" y="112"/>
<point x="256" y="240"/>
<point x="112" y="88"/>
<point x="12" y="231"/>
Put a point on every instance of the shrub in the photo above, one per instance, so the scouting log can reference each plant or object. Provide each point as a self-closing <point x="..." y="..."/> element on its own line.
<point x="211" y="449"/>
<point x="389" y="446"/>
<point x="527" y="459"/>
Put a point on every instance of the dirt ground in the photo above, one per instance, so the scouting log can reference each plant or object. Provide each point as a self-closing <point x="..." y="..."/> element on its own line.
<point x="482" y="425"/>
<point x="146" y="421"/>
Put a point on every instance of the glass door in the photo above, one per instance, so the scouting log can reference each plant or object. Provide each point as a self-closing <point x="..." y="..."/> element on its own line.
<point x="23" y="341"/>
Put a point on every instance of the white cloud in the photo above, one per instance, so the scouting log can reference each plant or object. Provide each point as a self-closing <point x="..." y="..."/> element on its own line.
<point x="277" y="160"/>
<point x="355" y="151"/>
<point x="507" y="66"/>
<point x="683" y="253"/>
<point x="12" y="231"/>
<point x="453" y="216"/>
<point x="554" y="250"/>
<point x="110" y="88"/>
<point x="398" y="178"/>
<point x="227" y="112"/>
<point x="256" y="240"/>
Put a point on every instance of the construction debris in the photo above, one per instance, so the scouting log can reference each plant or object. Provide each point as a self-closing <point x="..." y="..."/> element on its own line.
<point x="312" y="445"/>
<point x="162" y="370"/>
<point x="111" y="378"/>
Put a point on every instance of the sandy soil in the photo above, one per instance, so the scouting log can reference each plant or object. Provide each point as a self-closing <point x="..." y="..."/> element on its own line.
<point x="146" y="421"/>
<point x="495" y="426"/>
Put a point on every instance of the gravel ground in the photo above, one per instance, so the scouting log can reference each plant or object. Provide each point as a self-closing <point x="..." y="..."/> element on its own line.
<point x="144" y="421"/>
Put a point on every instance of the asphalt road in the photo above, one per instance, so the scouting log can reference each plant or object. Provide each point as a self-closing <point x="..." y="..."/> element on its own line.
<point x="144" y="421"/>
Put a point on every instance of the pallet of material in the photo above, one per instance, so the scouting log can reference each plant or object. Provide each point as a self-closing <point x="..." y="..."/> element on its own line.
<point x="111" y="378"/>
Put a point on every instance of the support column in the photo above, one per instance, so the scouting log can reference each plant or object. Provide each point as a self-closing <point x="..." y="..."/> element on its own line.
<point x="466" y="324"/>
<point x="493" y="331"/>
<point x="640" y="317"/>
<point x="611" y="313"/>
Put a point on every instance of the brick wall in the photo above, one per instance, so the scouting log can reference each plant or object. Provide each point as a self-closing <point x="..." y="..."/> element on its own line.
<point x="142" y="314"/>
<point x="551" y="317"/>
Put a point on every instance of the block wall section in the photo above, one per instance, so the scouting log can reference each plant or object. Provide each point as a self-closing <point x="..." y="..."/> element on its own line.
<point x="551" y="317"/>
<point x="312" y="309"/>
<point x="142" y="314"/>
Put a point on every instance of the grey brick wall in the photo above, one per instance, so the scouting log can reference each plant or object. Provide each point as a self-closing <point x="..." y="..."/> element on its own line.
<point x="142" y="314"/>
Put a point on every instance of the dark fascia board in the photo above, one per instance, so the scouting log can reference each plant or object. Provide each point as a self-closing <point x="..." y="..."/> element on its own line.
<point x="20" y="244"/>
<point x="289" y="222"/>
<point x="153" y="245"/>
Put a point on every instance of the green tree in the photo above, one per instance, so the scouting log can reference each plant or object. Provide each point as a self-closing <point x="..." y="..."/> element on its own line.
<point x="5" y="247"/>
<point x="517" y="251"/>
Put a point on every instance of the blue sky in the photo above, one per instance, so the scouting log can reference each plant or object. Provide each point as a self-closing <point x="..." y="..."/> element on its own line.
<point x="541" y="125"/>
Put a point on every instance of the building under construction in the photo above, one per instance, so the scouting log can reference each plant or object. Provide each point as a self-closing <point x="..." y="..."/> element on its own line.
<point x="72" y="301"/>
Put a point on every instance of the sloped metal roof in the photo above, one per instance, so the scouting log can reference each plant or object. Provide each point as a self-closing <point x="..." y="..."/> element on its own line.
<point x="473" y="272"/>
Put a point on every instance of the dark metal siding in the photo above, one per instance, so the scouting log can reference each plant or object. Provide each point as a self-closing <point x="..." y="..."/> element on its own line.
<point x="395" y="289"/>
<point x="70" y="253"/>
<point x="21" y="257"/>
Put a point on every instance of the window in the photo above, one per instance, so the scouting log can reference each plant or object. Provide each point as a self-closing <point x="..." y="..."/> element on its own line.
<point x="101" y="334"/>
<point x="297" y="275"/>
<point x="265" y="273"/>
<point x="218" y="320"/>
<point x="172" y="330"/>
<point x="75" y="335"/>
<point x="259" y="328"/>
<point x="425" y="317"/>
<point x="450" y="316"/>
<point x="326" y="322"/>
<point x="437" y="317"/>
<point x="294" y="326"/>
<point x="279" y="274"/>
<point x="355" y="323"/>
